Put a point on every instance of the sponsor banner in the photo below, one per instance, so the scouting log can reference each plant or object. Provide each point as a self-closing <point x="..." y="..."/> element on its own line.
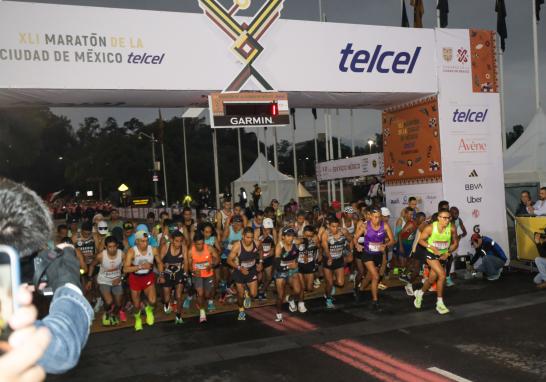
<point x="470" y="133"/>
<point x="427" y="195"/>
<point x="525" y="231"/>
<point x="411" y="143"/>
<point x="47" y="46"/>
<point x="454" y="62"/>
<point x="484" y="61"/>
<point x="354" y="167"/>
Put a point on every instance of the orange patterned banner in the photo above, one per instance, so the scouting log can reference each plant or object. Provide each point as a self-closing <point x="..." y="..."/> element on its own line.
<point x="484" y="61"/>
<point x="411" y="143"/>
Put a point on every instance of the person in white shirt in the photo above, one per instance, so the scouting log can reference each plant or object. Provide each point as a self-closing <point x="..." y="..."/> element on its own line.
<point x="539" y="208"/>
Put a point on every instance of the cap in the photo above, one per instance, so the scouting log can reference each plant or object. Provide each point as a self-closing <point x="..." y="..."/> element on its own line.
<point x="288" y="231"/>
<point x="128" y="225"/>
<point x="385" y="211"/>
<point x="143" y="227"/>
<point x="141" y="235"/>
<point x="336" y="204"/>
<point x="475" y="237"/>
<point x="102" y="226"/>
<point x="268" y="223"/>
<point x="349" y="210"/>
<point x="237" y="219"/>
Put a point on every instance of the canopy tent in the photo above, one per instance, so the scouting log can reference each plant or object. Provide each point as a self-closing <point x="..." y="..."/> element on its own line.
<point x="525" y="160"/>
<point x="267" y="177"/>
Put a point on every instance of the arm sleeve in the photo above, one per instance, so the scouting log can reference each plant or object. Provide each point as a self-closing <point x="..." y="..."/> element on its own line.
<point x="69" y="320"/>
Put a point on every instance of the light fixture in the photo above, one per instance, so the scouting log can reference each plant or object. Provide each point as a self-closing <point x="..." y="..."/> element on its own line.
<point x="123" y="187"/>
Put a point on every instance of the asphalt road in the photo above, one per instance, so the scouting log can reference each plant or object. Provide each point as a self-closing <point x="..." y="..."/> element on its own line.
<point x="495" y="332"/>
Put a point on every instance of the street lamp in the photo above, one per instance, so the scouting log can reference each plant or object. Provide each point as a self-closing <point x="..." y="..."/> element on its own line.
<point x="153" y="141"/>
<point x="371" y="142"/>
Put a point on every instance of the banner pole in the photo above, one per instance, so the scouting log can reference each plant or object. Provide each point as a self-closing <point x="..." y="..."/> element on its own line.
<point x="294" y="154"/>
<point x="216" y="177"/>
<point x="327" y="151"/>
<point x="535" y="54"/>
<point x="341" y="196"/>
<point x="501" y="91"/>
<point x="276" y="162"/>
<point x="240" y="153"/>
<point x="316" y="158"/>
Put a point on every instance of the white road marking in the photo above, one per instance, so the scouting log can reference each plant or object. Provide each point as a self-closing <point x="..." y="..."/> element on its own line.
<point x="448" y="374"/>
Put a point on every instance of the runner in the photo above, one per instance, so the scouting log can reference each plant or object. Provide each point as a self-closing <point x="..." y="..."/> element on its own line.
<point x="267" y="240"/>
<point x="371" y="241"/>
<point x="307" y="259"/>
<point x="347" y="221"/>
<point x="440" y="240"/>
<point x="246" y="261"/>
<point x="207" y="229"/>
<point x="334" y="243"/>
<point x="404" y="237"/>
<point x="201" y="261"/>
<point x="257" y="221"/>
<point x="189" y="225"/>
<point x="139" y="264"/>
<point x="223" y="215"/>
<point x="286" y="271"/>
<point x="232" y="234"/>
<point x="300" y="223"/>
<point x="110" y="262"/>
<point x="461" y="232"/>
<point x="175" y="262"/>
<point x="415" y="260"/>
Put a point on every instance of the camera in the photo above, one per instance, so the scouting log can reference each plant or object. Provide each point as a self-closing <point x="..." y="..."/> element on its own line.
<point x="542" y="234"/>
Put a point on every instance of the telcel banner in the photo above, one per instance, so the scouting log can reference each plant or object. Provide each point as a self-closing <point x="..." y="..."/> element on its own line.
<point x="354" y="167"/>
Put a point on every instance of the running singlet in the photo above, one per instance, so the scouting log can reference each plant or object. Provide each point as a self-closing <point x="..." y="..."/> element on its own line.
<point x="351" y="228"/>
<point x="441" y="241"/>
<point x="173" y="263"/>
<point x="211" y="241"/>
<point x="232" y="238"/>
<point x="140" y="258"/>
<point x="374" y="239"/>
<point x="202" y="262"/>
<point x="302" y="251"/>
<point x="267" y="246"/>
<point x="87" y="248"/>
<point x="247" y="259"/>
<point x="110" y="269"/>
<point x="288" y="257"/>
<point x="407" y="237"/>
<point x="336" y="246"/>
<point x="224" y="218"/>
<point x="311" y="252"/>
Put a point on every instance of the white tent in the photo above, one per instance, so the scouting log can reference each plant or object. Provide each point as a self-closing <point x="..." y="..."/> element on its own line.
<point x="525" y="160"/>
<point x="266" y="176"/>
<point x="302" y="192"/>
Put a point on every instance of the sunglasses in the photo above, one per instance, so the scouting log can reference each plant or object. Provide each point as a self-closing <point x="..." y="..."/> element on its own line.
<point x="102" y="228"/>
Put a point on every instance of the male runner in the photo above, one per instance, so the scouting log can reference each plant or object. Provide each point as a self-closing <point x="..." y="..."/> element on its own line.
<point x="308" y="257"/>
<point x="110" y="262"/>
<point x="202" y="259"/>
<point x="267" y="241"/>
<point x="286" y="271"/>
<point x="377" y="237"/>
<point x="256" y="222"/>
<point x="334" y="242"/>
<point x="245" y="259"/>
<point x="440" y="240"/>
<point x="139" y="264"/>
<point x="223" y="215"/>
<point x="175" y="262"/>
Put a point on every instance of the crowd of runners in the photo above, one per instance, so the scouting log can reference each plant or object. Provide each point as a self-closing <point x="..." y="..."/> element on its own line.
<point x="237" y="255"/>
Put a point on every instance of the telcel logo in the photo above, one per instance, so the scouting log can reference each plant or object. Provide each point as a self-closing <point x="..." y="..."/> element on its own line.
<point x="469" y="116"/>
<point x="361" y="61"/>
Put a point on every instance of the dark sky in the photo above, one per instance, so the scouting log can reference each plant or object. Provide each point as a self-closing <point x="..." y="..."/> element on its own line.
<point x="518" y="58"/>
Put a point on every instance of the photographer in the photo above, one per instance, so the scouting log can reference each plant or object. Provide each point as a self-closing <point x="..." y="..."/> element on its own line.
<point x="493" y="257"/>
<point x="25" y="224"/>
<point x="540" y="261"/>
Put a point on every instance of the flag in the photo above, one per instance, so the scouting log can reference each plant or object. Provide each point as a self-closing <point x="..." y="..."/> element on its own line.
<point x="538" y="3"/>
<point x="500" y="8"/>
<point x="160" y="128"/>
<point x="405" y="21"/>
<point x="314" y="111"/>
<point x="418" y="11"/>
<point x="443" y="8"/>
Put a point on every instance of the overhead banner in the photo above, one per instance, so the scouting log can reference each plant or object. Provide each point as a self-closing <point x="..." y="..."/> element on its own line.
<point x="354" y="167"/>
<point x="48" y="46"/>
<point x="411" y="143"/>
<point x="470" y="132"/>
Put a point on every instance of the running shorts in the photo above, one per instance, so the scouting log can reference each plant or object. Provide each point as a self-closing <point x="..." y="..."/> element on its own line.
<point x="112" y="289"/>
<point x="268" y="261"/>
<point x="173" y="279"/>
<point x="205" y="283"/>
<point x="285" y="274"/>
<point x="307" y="268"/>
<point x="141" y="282"/>
<point x="239" y="278"/>
<point x="336" y="264"/>
<point x="377" y="258"/>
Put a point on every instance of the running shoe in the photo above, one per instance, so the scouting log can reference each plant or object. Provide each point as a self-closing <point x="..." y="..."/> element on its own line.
<point x="174" y="306"/>
<point x="247" y="302"/>
<point x="356" y="293"/>
<point x="211" y="307"/>
<point x="114" y="320"/>
<point x="409" y="289"/>
<point x="167" y="309"/>
<point x="495" y="277"/>
<point x="405" y="278"/>
<point x="261" y="296"/>
<point x="98" y="305"/>
<point x="395" y="271"/>
<point x="352" y="277"/>
<point x="187" y="303"/>
<point x="202" y="318"/>
<point x="418" y="301"/>
<point x="138" y="322"/>
<point x="333" y="290"/>
<point x="122" y="316"/>
<point x="330" y="304"/>
<point x="242" y="316"/>
<point x="150" y="319"/>
<point x="178" y="320"/>
<point x="449" y="281"/>
<point x="278" y="317"/>
<point x="376" y="307"/>
<point x="441" y="308"/>
<point x="105" y="319"/>
<point x="316" y="284"/>
<point x="382" y="286"/>
<point x="291" y="304"/>
<point x="301" y="307"/>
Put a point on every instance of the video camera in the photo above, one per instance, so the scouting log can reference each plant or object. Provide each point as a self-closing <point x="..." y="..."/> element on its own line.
<point x="542" y="234"/>
<point x="54" y="268"/>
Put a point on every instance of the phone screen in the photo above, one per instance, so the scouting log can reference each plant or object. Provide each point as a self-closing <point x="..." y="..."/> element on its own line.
<point x="6" y="291"/>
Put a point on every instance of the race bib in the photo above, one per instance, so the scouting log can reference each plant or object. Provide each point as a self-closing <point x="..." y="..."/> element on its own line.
<point x="202" y="266"/>
<point x="441" y="245"/>
<point x="248" y="264"/>
<point x="285" y="264"/>
<point x="374" y="247"/>
<point x="266" y="247"/>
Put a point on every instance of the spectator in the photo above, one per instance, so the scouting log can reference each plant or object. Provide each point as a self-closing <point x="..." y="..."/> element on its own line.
<point x="540" y="261"/>
<point x="539" y="208"/>
<point x="256" y="195"/>
<point x="493" y="256"/>
<point x="243" y="198"/>
<point x="376" y="189"/>
<point x="525" y="204"/>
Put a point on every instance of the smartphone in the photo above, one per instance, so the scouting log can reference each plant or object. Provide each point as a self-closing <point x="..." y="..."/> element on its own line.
<point x="9" y="285"/>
